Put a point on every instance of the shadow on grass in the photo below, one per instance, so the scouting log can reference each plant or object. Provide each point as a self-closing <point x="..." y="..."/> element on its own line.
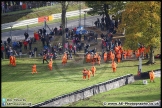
<point x="22" y="72"/>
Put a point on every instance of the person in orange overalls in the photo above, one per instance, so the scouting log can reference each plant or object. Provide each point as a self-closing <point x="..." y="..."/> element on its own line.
<point x="89" y="74"/>
<point x="84" y="73"/>
<point x="152" y="76"/>
<point x="137" y="53"/>
<point x="105" y="56"/>
<point x="93" y="61"/>
<point x="64" y="60"/>
<point x="14" y="61"/>
<point x="99" y="59"/>
<point x="124" y="54"/>
<point x="34" y="69"/>
<point x="93" y="70"/>
<point x="118" y="56"/>
<point x="88" y="58"/>
<point x="11" y="60"/>
<point x="112" y="56"/>
<point x="114" y="65"/>
<point x="50" y="64"/>
<point x="95" y="57"/>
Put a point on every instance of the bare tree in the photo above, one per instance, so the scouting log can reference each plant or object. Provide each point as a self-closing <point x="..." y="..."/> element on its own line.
<point x="64" y="5"/>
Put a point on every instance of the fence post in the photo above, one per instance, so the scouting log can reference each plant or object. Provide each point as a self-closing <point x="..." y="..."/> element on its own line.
<point x="4" y="54"/>
<point x="35" y="54"/>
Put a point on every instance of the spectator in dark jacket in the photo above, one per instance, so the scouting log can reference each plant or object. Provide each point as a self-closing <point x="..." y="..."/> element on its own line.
<point x="43" y="41"/>
<point x="26" y="35"/>
<point x="8" y="40"/>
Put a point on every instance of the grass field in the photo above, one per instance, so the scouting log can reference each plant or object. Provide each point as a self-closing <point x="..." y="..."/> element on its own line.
<point x="135" y="92"/>
<point x="18" y="82"/>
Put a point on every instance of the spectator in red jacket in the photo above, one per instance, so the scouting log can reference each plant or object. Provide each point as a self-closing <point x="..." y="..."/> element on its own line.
<point x="25" y="43"/>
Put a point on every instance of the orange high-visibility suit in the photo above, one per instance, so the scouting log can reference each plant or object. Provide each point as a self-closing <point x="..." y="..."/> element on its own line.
<point x="137" y="53"/>
<point x="95" y="57"/>
<point x="34" y="69"/>
<point x="84" y="73"/>
<point x="121" y="49"/>
<point x="112" y="56"/>
<point x="93" y="70"/>
<point x="116" y="48"/>
<point x="114" y="65"/>
<point x="50" y="64"/>
<point x="88" y="58"/>
<point x="93" y="61"/>
<point x="152" y="76"/>
<point x="129" y="53"/>
<point x="89" y="74"/>
<point x="105" y="56"/>
<point x="14" y="61"/>
<point x="118" y="56"/>
<point x="11" y="60"/>
<point x="99" y="59"/>
<point x="64" y="60"/>
<point x="124" y="54"/>
<point x="65" y="54"/>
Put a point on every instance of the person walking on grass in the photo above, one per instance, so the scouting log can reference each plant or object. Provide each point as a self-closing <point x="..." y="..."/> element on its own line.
<point x="89" y="74"/>
<point x="34" y="69"/>
<point x="11" y="60"/>
<point x="152" y="76"/>
<point x="84" y="73"/>
<point x="114" y="65"/>
<point x="45" y="58"/>
<point x="14" y="61"/>
<point x="50" y="64"/>
<point x="93" y="70"/>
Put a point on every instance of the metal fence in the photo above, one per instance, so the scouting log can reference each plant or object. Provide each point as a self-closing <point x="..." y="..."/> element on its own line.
<point x="30" y="5"/>
<point x="35" y="20"/>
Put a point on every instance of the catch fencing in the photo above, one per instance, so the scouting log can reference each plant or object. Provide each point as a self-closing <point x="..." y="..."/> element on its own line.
<point x="42" y="19"/>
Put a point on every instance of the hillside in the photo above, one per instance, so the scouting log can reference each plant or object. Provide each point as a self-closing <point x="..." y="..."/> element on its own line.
<point x="37" y="12"/>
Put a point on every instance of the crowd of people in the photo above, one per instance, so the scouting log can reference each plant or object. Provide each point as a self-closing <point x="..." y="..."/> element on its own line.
<point x="112" y="49"/>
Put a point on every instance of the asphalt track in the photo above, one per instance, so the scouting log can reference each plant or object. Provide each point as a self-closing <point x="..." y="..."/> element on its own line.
<point x="19" y="34"/>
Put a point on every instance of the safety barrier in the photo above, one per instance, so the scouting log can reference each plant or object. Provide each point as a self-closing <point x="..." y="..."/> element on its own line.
<point x="145" y="75"/>
<point x="41" y="19"/>
<point x="19" y="23"/>
<point x="89" y="91"/>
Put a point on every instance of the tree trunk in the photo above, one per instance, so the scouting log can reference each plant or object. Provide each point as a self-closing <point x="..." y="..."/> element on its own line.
<point x="63" y="25"/>
<point x="107" y="14"/>
<point x="152" y="58"/>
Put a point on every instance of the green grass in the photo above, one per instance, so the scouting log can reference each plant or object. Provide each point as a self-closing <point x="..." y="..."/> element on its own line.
<point x="135" y="92"/>
<point x="37" y="12"/>
<point x="18" y="82"/>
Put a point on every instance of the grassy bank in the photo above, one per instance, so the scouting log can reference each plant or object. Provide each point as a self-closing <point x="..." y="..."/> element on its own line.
<point x="135" y="92"/>
<point x="40" y="24"/>
<point x="18" y="82"/>
<point x="37" y="12"/>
